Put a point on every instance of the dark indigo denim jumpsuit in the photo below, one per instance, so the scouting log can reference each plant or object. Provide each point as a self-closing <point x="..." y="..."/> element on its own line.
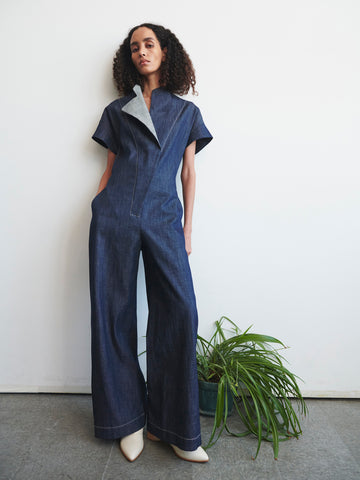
<point x="140" y="210"/>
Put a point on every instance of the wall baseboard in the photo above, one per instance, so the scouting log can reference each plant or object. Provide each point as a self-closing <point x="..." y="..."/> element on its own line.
<point x="86" y="389"/>
<point x="45" y="389"/>
<point x="330" y="394"/>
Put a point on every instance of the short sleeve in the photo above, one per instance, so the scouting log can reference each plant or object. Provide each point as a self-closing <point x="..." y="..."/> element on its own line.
<point x="105" y="133"/>
<point x="199" y="132"/>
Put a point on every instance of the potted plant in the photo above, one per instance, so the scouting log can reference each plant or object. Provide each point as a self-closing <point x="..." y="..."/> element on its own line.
<point x="249" y="369"/>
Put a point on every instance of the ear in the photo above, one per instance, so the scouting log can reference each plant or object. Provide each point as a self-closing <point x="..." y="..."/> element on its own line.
<point x="164" y="50"/>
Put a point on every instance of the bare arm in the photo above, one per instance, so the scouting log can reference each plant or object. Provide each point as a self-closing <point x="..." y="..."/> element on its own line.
<point x="107" y="174"/>
<point x="188" y="179"/>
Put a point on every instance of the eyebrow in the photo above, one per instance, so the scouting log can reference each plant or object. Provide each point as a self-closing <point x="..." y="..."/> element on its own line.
<point x="144" y="40"/>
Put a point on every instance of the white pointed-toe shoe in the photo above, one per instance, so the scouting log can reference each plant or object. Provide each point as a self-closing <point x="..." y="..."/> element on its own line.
<point x="132" y="445"/>
<point x="198" y="456"/>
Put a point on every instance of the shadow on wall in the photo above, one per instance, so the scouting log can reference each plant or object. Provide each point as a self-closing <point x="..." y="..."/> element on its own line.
<point x="75" y="334"/>
<point x="75" y="330"/>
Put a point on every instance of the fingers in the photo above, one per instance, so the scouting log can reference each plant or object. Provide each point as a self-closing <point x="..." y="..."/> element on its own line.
<point x="187" y="242"/>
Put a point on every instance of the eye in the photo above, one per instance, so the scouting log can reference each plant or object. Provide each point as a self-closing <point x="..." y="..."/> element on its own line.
<point x="134" y="49"/>
<point x="149" y="45"/>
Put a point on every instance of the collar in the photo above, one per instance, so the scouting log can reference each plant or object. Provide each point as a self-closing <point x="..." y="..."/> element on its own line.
<point x="137" y="108"/>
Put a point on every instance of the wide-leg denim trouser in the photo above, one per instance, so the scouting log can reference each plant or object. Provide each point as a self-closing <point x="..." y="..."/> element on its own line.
<point x="122" y="401"/>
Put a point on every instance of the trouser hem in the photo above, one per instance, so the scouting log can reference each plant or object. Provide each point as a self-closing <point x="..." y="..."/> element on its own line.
<point x="119" y="431"/>
<point x="187" y="444"/>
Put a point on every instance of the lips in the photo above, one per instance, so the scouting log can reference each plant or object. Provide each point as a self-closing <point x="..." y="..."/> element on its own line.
<point x="144" y="62"/>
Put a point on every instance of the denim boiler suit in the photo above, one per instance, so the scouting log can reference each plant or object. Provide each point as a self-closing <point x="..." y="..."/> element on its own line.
<point x="139" y="209"/>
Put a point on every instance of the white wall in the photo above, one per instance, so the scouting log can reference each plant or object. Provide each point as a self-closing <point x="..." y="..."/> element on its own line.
<point x="276" y="229"/>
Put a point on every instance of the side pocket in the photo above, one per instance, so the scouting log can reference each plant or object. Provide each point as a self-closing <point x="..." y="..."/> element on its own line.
<point x="96" y="198"/>
<point x="180" y="208"/>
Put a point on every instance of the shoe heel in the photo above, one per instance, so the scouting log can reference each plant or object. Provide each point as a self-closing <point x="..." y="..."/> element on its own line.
<point x="152" y="437"/>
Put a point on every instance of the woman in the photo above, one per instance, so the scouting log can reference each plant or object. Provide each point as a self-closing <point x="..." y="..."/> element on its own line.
<point x="147" y="133"/>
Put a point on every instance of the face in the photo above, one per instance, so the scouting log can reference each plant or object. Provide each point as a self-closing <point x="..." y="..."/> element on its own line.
<point x="146" y="53"/>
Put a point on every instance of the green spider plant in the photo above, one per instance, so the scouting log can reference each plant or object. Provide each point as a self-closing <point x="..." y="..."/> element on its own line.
<point x="259" y="383"/>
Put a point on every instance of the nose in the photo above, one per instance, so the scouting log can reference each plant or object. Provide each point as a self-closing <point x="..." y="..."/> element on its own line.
<point x="142" y="52"/>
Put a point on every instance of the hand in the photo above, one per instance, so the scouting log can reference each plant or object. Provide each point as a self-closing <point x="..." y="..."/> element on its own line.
<point x="187" y="236"/>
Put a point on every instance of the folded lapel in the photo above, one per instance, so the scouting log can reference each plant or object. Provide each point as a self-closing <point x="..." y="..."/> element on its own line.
<point x="137" y="108"/>
<point x="166" y="109"/>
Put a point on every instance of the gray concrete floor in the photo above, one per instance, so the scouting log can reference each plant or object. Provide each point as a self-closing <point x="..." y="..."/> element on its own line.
<point x="50" y="436"/>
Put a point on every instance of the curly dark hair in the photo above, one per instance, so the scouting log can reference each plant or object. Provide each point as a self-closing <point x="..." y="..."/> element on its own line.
<point x="177" y="73"/>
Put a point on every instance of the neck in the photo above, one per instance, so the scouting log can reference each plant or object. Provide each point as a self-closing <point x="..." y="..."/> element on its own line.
<point x="150" y="83"/>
